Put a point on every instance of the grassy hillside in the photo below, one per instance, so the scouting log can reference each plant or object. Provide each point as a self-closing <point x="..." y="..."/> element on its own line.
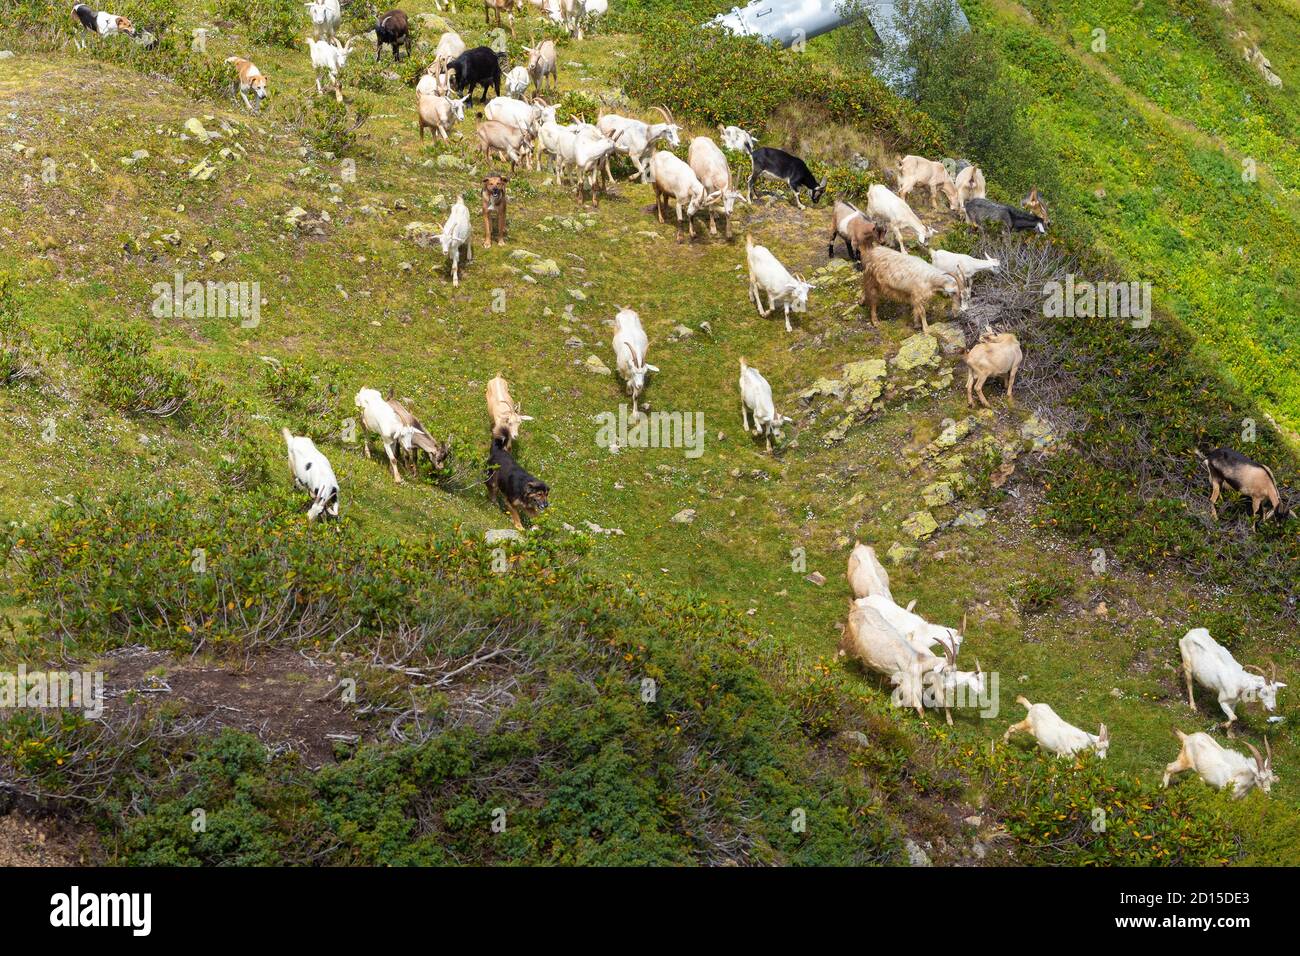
<point x="108" y="504"/>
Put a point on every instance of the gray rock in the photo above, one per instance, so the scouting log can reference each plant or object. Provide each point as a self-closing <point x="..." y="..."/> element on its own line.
<point x="685" y="516"/>
<point x="915" y="855"/>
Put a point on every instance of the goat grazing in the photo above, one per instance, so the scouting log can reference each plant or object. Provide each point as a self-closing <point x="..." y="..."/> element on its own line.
<point x="630" y="347"/>
<point x="455" y="238"/>
<point x="768" y="276"/>
<point x="756" y="401"/>
<point x="312" y="472"/>
<point x="498" y="7"/>
<point x="981" y="211"/>
<point x="711" y="169"/>
<point x="916" y="171"/>
<point x="789" y="169"/>
<point x="1246" y="477"/>
<point x="379" y="417"/>
<point x="850" y="224"/>
<point x="962" y="267"/>
<point x="1213" y="667"/>
<point x="438" y="113"/>
<point x="636" y="139"/>
<point x="330" y="56"/>
<point x="517" y="81"/>
<point x="675" y="180"/>
<point x="512" y="143"/>
<point x="915" y="629"/>
<point x="1034" y="203"/>
<point x="894" y="215"/>
<point x="504" y="411"/>
<point x="421" y="440"/>
<point x="866" y="575"/>
<point x="992" y="355"/>
<point x="1220" y="767"/>
<point x="900" y="277"/>
<point x="1054" y="734"/>
<point x="872" y="638"/>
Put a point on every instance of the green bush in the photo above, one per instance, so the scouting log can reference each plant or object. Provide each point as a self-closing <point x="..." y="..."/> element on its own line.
<point x="123" y="374"/>
<point x="267" y="22"/>
<point x="590" y="768"/>
<point x="715" y="77"/>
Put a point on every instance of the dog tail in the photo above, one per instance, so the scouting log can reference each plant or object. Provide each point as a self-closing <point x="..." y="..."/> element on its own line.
<point x="1023" y="703"/>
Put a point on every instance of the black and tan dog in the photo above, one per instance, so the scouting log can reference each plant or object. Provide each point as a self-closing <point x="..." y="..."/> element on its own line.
<point x="521" y="490"/>
<point x="494" y="209"/>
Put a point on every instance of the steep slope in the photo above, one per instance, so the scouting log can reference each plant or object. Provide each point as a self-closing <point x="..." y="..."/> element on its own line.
<point x="884" y="444"/>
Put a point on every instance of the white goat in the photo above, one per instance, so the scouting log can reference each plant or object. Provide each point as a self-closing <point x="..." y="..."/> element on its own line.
<point x="767" y="275"/>
<point x="637" y="139"/>
<point x="674" y="180"/>
<point x="311" y="471"/>
<point x="1213" y="667"/>
<point x="438" y="113"/>
<point x="963" y="268"/>
<point x="887" y="210"/>
<point x="756" y="401"/>
<point x="583" y="148"/>
<point x="543" y="63"/>
<point x="918" y="632"/>
<point x="455" y="238"/>
<point x="872" y="638"/>
<point x="382" y="419"/>
<point x="517" y="81"/>
<point x="970" y="185"/>
<point x="866" y="574"/>
<point x="734" y="137"/>
<point x="330" y="56"/>
<point x="710" y="168"/>
<point x="450" y="46"/>
<point x="1054" y="734"/>
<point x="325" y="18"/>
<point x="1220" y="767"/>
<point x="630" y="347"/>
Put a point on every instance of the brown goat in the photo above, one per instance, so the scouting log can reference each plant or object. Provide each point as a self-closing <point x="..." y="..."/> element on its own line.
<point x="1247" y="477"/>
<point x="1034" y="203"/>
<point x="992" y="355"/>
<point x="849" y="223"/>
<point x="900" y="277"/>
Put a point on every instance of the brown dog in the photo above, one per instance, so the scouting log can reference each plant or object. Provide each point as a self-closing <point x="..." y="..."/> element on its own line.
<point x="494" y="209"/>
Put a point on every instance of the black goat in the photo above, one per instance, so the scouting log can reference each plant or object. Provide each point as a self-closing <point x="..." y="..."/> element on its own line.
<point x="981" y="211"/>
<point x="480" y="66"/>
<point x="790" y="169"/>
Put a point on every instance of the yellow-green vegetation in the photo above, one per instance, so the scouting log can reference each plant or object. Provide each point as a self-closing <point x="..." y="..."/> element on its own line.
<point x="139" y="436"/>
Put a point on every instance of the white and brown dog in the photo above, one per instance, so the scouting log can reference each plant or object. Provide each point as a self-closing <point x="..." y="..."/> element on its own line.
<point x="250" y="80"/>
<point x="102" y="22"/>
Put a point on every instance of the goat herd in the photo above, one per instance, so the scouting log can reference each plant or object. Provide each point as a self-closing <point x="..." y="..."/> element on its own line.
<point x="523" y="129"/>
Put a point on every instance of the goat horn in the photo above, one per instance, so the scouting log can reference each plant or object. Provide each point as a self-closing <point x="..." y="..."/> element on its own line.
<point x="668" y="117"/>
<point x="962" y="632"/>
<point x="1272" y="665"/>
<point x="978" y="669"/>
<point x="1268" y="760"/>
<point x="1259" y="760"/>
<point x="1252" y="667"/>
